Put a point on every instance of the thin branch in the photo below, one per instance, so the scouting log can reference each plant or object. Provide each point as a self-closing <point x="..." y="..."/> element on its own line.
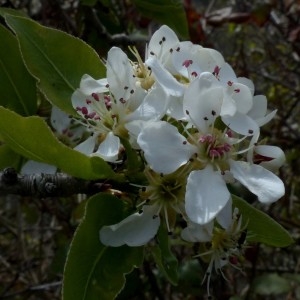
<point x="46" y="185"/>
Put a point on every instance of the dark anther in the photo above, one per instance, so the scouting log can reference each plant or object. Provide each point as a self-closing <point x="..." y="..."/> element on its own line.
<point x="187" y="112"/>
<point x="10" y="176"/>
<point x="178" y="49"/>
<point x="154" y="217"/>
<point x="160" y="42"/>
<point x="170" y="232"/>
<point x="213" y="112"/>
<point x="151" y="52"/>
<point x="171" y="50"/>
<point x="126" y="87"/>
<point x="132" y="91"/>
<point x="184" y="142"/>
<point x="250" y="131"/>
<point x="205" y="118"/>
<point x="140" y="211"/>
<point x="163" y="39"/>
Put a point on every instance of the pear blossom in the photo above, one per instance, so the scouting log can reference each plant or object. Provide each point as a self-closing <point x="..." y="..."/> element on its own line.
<point x="226" y="241"/>
<point x="108" y="105"/>
<point x="209" y="152"/>
<point x="164" y="198"/>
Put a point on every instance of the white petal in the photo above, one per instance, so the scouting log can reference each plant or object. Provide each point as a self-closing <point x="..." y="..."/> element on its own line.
<point x="134" y="128"/>
<point x="198" y="233"/>
<point x="229" y="106"/>
<point x="259" y="108"/>
<point x="203" y="100"/>
<point x="120" y="74"/>
<point x="88" y="146"/>
<point x="206" y="195"/>
<point x="208" y="59"/>
<point x="260" y="181"/>
<point x="175" y="108"/>
<point x="153" y="107"/>
<point x="241" y="124"/>
<point x="258" y="111"/>
<point x="161" y="42"/>
<point x="109" y="148"/>
<point x="164" y="78"/>
<point x="276" y="155"/>
<point x="186" y="53"/>
<point x="59" y="119"/>
<point x="249" y="83"/>
<point x="242" y="96"/>
<point x="224" y="217"/>
<point x="89" y="85"/>
<point x="164" y="147"/>
<point x="136" y="230"/>
<point x="34" y="167"/>
<point x="227" y="74"/>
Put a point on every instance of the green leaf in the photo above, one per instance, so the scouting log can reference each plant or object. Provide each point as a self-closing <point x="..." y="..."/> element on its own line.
<point x="57" y="59"/>
<point x="94" y="271"/>
<point x="10" y="11"/>
<point x="164" y="258"/>
<point x="168" y="12"/>
<point x="17" y="88"/>
<point x="8" y="158"/>
<point x="261" y="227"/>
<point x="32" y="138"/>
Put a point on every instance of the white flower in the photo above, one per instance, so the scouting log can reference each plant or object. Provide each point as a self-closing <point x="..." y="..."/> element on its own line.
<point x="164" y="198"/>
<point x="227" y="241"/>
<point x="108" y="106"/>
<point x="208" y="151"/>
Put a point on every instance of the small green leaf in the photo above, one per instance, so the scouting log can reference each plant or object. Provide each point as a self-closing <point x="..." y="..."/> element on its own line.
<point x="164" y="258"/>
<point x="261" y="227"/>
<point x="57" y="59"/>
<point x="17" y="88"/>
<point x="32" y="138"/>
<point x="94" y="271"/>
<point x="168" y="12"/>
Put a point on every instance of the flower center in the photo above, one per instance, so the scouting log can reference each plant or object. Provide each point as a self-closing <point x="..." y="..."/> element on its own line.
<point x="103" y="114"/>
<point x="215" y="147"/>
<point x="167" y="192"/>
<point x="142" y="72"/>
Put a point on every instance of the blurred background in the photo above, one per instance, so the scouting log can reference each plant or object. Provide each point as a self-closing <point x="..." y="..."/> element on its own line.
<point x="261" y="41"/>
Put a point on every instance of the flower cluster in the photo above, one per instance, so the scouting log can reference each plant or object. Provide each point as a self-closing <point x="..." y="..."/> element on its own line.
<point x="197" y="126"/>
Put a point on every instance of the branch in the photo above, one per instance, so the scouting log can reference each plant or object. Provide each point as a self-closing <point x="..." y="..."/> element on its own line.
<point x="47" y="185"/>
